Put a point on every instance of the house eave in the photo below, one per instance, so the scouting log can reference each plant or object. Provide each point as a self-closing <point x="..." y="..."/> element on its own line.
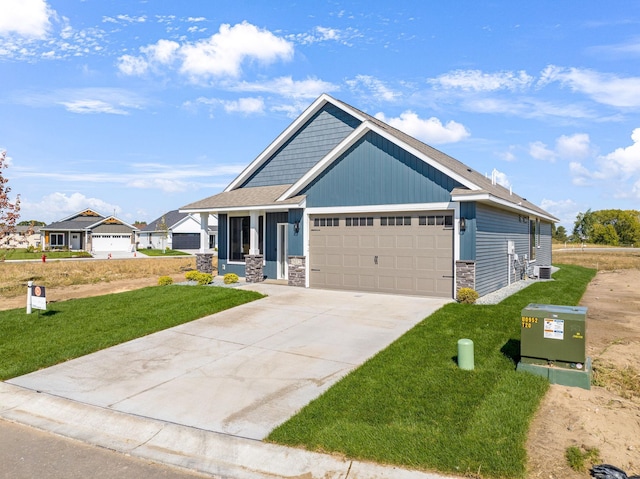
<point x="488" y="198"/>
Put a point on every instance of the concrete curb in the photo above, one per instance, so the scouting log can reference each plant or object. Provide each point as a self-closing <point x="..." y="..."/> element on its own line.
<point x="195" y="449"/>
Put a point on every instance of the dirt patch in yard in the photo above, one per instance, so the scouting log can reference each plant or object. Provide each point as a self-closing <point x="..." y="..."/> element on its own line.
<point x="86" y="290"/>
<point x="607" y="417"/>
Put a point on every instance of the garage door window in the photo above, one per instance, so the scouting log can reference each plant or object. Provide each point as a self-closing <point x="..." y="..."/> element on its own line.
<point x="318" y="222"/>
<point x="395" y="221"/>
<point x="436" y="220"/>
<point x="361" y="221"/>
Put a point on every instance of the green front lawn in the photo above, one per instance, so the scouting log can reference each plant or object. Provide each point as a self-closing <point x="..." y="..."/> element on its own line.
<point x="162" y="252"/>
<point x="412" y="406"/>
<point x="21" y="253"/>
<point x="77" y="327"/>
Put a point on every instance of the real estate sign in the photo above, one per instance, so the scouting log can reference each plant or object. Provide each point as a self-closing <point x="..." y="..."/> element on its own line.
<point x="38" y="297"/>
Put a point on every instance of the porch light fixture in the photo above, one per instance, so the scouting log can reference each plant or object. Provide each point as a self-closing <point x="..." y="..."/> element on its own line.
<point x="463" y="224"/>
<point x="296" y="227"/>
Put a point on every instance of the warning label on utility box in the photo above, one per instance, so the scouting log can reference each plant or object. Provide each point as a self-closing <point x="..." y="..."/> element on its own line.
<point x="553" y="328"/>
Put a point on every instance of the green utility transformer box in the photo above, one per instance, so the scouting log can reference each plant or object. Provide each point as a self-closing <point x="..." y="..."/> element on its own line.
<point x="553" y="344"/>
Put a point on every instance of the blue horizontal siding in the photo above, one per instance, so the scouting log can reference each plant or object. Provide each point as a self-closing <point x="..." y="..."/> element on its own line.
<point x="494" y="228"/>
<point x="375" y="171"/>
<point x="323" y="132"/>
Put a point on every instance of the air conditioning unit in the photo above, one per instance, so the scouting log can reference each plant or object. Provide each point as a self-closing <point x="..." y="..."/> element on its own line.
<point x="544" y="272"/>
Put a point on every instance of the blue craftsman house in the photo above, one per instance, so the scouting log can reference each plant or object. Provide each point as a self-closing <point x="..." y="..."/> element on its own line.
<point x="342" y="200"/>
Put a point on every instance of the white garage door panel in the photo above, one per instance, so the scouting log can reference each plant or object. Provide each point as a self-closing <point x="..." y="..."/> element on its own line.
<point x="409" y="253"/>
<point x="111" y="242"/>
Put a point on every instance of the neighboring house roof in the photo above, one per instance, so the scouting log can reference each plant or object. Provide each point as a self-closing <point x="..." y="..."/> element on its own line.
<point x="83" y="221"/>
<point x="172" y="219"/>
<point x="475" y="186"/>
<point x="23" y="229"/>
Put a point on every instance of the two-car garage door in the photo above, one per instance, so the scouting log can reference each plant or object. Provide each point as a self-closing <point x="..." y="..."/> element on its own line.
<point x="401" y="253"/>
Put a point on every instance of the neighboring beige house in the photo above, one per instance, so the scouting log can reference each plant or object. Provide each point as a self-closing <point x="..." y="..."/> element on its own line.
<point x="89" y="231"/>
<point x="23" y="237"/>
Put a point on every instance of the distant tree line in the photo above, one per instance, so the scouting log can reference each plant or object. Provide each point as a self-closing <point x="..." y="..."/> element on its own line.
<point x="606" y="227"/>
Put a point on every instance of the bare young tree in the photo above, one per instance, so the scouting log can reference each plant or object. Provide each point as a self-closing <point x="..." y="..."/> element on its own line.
<point x="9" y="212"/>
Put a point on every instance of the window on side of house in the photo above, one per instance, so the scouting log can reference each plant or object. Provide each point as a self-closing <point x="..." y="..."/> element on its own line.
<point x="534" y="238"/>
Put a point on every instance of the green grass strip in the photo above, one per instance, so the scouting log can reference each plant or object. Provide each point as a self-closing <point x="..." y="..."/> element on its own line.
<point x="77" y="327"/>
<point x="410" y="405"/>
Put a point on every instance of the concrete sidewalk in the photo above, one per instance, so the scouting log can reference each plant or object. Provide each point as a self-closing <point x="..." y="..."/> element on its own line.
<point x="203" y="394"/>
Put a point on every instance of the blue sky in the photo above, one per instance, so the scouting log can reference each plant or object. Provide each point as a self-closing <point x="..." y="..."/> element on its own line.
<point x="140" y="107"/>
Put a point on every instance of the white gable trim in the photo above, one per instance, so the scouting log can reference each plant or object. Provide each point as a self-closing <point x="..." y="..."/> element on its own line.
<point x="287" y="134"/>
<point x="112" y="217"/>
<point x="358" y="133"/>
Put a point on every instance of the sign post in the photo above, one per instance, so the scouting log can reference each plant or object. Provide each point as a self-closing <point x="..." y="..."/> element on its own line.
<point x="29" y="286"/>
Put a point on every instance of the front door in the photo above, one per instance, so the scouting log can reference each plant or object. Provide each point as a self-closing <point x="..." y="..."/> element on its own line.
<point x="282" y="251"/>
<point x="75" y="241"/>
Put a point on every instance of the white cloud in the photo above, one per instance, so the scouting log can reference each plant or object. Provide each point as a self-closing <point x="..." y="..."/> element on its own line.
<point x="624" y="160"/>
<point x="429" y="130"/>
<point x="310" y="88"/>
<point x="92" y="106"/>
<point x="618" y="167"/>
<point x="501" y="178"/>
<point x="224" y="53"/>
<point x="608" y="89"/>
<point x="86" y="100"/>
<point x="56" y="206"/>
<point x="163" y="52"/>
<point x="571" y="147"/>
<point x="540" y="151"/>
<point x="221" y="55"/>
<point x="245" y="105"/>
<point x="373" y="86"/>
<point x="565" y="210"/>
<point x="325" y="34"/>
<point x="574" y="146"/>
<point x="25" y="18"/>
<point x="478" y="81"/>
<point x="130" y="65"/>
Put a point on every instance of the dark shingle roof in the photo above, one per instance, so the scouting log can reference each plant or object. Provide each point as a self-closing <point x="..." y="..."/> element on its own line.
<point x="171" y="218"/>
<point x="246" y="197"/>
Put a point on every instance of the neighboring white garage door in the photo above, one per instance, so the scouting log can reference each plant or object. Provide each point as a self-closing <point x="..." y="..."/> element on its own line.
<point x="402" y="253"/>
<point x="111" y="242"/>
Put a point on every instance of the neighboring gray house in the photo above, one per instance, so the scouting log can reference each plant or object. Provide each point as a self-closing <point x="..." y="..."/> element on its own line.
<point x="342" y="200"/>
<point x="182" y="231"/>
<point x="90" y="231"/>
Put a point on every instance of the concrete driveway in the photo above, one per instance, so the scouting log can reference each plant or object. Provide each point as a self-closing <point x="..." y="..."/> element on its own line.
<point x="243" y="371"/>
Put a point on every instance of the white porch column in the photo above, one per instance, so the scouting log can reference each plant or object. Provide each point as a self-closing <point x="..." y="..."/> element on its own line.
<point x="204" y="232"/>
<point x="254" y="239"/>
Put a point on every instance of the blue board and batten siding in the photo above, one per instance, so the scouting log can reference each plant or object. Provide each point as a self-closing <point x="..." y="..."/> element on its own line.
<point x="375" y="171"/>
<point x="468" y="236"/>
<point x="321" y="134"/>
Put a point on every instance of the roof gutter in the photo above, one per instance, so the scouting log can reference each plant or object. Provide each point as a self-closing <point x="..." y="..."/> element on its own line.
<point x="489" y="198"/>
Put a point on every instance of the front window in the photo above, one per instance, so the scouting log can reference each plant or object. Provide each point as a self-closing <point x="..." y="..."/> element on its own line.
<point x="57" y="239"/>
<point x="238" y="237"/>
